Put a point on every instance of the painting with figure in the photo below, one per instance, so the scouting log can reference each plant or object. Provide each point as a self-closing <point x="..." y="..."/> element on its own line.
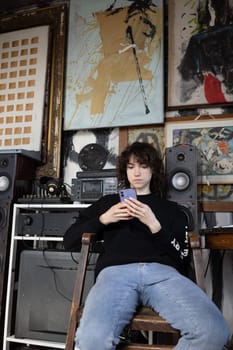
<point x="152" y="135"/>
<point x="114" y="71"/>
<point x="200" y="53"/>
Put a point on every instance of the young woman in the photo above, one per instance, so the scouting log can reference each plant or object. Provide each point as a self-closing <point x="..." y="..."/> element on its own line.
<point x="144" y="261"/>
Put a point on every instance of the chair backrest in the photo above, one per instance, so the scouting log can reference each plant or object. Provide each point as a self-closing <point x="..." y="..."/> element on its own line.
<point x="216" y="240"/>
<point x="146" y="319"/>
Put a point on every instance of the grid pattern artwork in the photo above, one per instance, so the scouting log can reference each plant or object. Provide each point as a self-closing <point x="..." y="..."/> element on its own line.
<point x="23" y="61"/>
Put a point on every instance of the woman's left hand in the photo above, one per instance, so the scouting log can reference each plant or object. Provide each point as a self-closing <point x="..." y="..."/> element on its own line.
<point x="143" y="213"/>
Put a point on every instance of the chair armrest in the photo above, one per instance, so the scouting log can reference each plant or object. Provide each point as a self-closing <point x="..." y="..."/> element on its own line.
<point x="194" y="240"/>
<point x="87" y="239"/>
<point x="195" y="244"/>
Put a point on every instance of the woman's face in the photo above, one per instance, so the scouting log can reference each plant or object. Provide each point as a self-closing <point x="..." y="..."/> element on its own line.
<point x="139" y="175"/>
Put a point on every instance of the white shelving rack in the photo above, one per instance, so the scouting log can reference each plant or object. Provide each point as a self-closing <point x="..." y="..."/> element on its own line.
<point x="8" y="336"/>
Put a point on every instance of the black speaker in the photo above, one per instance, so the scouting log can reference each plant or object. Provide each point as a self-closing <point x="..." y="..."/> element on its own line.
<point x="16" y="174"/>
<point x="5" y="214"/>
<point x="181" y="173"/>
<point x="16" y="177"/>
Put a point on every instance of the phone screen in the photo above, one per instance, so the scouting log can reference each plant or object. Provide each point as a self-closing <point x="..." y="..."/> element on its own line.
<point x="127" y="193"/>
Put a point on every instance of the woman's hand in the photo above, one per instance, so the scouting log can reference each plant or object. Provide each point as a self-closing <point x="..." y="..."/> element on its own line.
<point x="143" y="213"/>
<point x="116" y="213"/>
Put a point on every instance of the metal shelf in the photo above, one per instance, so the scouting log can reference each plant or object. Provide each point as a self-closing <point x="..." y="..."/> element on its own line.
<point x="8" y="337"/>
<point x="38" y="238"/>
<point x="44" y="343"/>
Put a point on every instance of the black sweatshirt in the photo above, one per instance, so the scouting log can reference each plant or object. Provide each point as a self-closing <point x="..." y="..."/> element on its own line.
<point x="131" y="241"/>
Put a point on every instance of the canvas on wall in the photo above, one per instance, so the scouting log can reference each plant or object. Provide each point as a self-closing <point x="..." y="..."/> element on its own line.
<point x="114" y="71"/>
<point x="23" y="63"/>
<point x="200" y="53"/>
<point x="152" y="135"/>
<point x="214" y="141"/>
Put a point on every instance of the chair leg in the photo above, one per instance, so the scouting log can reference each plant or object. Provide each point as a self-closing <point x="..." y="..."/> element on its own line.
<point x="150" y="337"/>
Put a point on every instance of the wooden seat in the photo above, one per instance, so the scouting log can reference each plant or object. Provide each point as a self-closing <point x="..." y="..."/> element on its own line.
<point x="146" y="320"/>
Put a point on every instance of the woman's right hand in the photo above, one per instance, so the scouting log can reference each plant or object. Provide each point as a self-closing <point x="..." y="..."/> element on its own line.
<point x="114" y="214"/>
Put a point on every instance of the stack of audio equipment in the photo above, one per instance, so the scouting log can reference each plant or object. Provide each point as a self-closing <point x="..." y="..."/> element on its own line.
<point x="17" y="173"/>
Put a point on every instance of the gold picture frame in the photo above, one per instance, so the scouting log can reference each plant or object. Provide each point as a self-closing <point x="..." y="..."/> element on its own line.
<point x="56" y="18"/>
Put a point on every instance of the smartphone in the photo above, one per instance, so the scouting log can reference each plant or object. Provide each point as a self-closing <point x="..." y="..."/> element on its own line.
<point x="127" y="193"/>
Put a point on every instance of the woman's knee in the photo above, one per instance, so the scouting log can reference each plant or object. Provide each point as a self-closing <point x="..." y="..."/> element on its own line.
<point x="218" y="331"/>
<point x="213" y="332"/>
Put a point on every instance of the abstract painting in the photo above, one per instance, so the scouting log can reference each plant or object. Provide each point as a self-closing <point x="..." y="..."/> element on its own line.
<point x="214" y="140"/>
<point x="114" y="64"/>
<point x="152" y="135"/>
<point x="215" y="192"/>
<point x="200" y="65"/>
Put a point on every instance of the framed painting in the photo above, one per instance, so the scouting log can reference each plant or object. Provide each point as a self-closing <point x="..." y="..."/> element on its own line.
<point x="214" y="140"/>
<point x="220" y="192"/>
<point x="31" y="84"/>
<point x="152" y="135"/>
<point x="114" y="71"/>
<point x="200" y="45"/>
<point x="23" y="64"/>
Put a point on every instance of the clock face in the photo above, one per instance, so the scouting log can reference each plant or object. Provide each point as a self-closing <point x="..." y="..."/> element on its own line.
<point x="92" y="157"/>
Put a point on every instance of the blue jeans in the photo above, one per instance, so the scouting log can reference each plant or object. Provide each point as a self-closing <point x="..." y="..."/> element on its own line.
<point x="117" y="292"/>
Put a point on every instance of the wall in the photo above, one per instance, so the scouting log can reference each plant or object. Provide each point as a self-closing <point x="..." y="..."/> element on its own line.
<point x="12" y="5"/>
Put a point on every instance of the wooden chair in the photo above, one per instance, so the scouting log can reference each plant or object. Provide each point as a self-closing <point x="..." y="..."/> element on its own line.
<point x="219" y="238"/>
<point x="146" y="320"/>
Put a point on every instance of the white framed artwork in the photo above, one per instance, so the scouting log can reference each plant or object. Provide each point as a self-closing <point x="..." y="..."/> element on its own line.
<point x="23" y="62"/>
<point x="114" y="71"/>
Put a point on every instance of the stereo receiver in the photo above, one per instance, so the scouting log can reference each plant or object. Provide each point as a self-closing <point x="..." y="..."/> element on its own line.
<point x="47" y="222"/>
<point x="89" y="186"/>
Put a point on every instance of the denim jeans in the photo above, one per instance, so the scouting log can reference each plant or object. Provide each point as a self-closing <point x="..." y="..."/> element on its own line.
<point x="117" y="292"/>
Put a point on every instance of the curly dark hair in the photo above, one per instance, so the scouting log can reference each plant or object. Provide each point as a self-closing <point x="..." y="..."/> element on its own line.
<point x="145" y="153"/>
